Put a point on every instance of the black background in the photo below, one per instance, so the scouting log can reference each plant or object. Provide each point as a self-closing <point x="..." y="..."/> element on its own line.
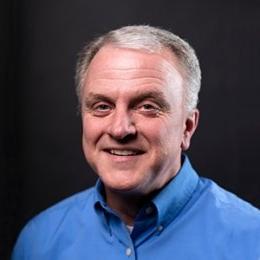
<point x="41" y="157"/>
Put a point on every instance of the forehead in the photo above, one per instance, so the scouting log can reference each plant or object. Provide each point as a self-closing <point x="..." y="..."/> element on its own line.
<point x="110" y="57"/>
<point x="112" y="68"/>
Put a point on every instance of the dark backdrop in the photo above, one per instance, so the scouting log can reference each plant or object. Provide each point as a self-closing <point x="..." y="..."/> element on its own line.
<point x="41" y="157"/>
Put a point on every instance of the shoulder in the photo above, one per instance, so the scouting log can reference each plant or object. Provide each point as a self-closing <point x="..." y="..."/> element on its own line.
<point x="228" y="201"/>
<point x="73" y="204"/>
<point x="230" y="211"/>
<point x="63" y="217"/>
<point x="221" y="220"/>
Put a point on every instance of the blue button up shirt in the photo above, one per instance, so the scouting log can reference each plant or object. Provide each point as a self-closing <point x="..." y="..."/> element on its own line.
<point x="191" y="218"/>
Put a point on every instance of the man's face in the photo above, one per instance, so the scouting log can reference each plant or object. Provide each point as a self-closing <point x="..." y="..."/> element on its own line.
<point x="135" y="125"/>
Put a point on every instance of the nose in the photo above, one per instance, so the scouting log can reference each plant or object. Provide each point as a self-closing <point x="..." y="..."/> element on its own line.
<point x="121" y="126"/>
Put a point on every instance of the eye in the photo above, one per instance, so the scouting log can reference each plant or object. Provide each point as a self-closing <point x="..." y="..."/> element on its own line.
<point x="101" y="109"/>
<point x="149" y="108"/>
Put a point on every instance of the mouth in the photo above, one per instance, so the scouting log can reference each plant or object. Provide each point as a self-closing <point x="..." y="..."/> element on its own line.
<point x="124" y="152"/>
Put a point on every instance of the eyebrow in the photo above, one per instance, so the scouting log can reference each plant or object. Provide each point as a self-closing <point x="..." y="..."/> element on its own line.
<point x="94" y="97"/>
<point x="157" y="96"/>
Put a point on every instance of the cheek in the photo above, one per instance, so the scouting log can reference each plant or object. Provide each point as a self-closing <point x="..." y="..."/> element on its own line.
<point x="155" y="131"/>
<point x="164" y="134"/>
<point x="89" y="139"/>
<point x="91" y="129"/>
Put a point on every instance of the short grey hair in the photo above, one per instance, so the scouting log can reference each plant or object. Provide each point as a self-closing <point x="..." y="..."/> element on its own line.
<point x="150" y="39"/>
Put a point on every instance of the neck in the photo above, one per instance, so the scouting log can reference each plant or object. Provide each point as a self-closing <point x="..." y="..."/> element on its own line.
<point x="127" y="206"/>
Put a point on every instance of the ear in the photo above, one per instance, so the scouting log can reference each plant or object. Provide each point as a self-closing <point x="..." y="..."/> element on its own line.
<point x="190" y="126"/>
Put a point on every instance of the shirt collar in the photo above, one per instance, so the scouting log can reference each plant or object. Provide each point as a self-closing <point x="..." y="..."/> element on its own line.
<point x="99" y="194"/>
<point x="174" y="196"/>
<point x="171" y="199"/>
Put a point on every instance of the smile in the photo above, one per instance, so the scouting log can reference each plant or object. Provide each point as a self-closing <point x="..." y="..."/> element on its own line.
<point x="124" y="152"/>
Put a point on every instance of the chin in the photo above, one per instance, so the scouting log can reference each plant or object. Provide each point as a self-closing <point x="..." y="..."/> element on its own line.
<point x="122" y="186"/>
<point x="124" y="180"/>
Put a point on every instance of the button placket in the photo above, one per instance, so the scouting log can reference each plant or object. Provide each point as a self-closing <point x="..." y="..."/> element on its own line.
<point x="128" y="251"/>
<point x="159" y="228"/>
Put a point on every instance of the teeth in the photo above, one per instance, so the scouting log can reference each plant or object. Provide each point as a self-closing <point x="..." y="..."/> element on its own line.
<point x="122" y="152"/>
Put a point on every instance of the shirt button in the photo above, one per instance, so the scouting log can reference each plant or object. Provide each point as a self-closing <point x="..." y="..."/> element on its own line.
<point x="148" y="210"/>
<point x="160" y="228"/>
<point x="128" y="251"/>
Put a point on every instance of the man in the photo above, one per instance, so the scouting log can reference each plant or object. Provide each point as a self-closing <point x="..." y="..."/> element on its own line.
<point x="138" y="90"/>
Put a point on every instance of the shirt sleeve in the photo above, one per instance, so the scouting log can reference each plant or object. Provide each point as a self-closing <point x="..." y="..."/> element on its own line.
<point x="22" y="245"/>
